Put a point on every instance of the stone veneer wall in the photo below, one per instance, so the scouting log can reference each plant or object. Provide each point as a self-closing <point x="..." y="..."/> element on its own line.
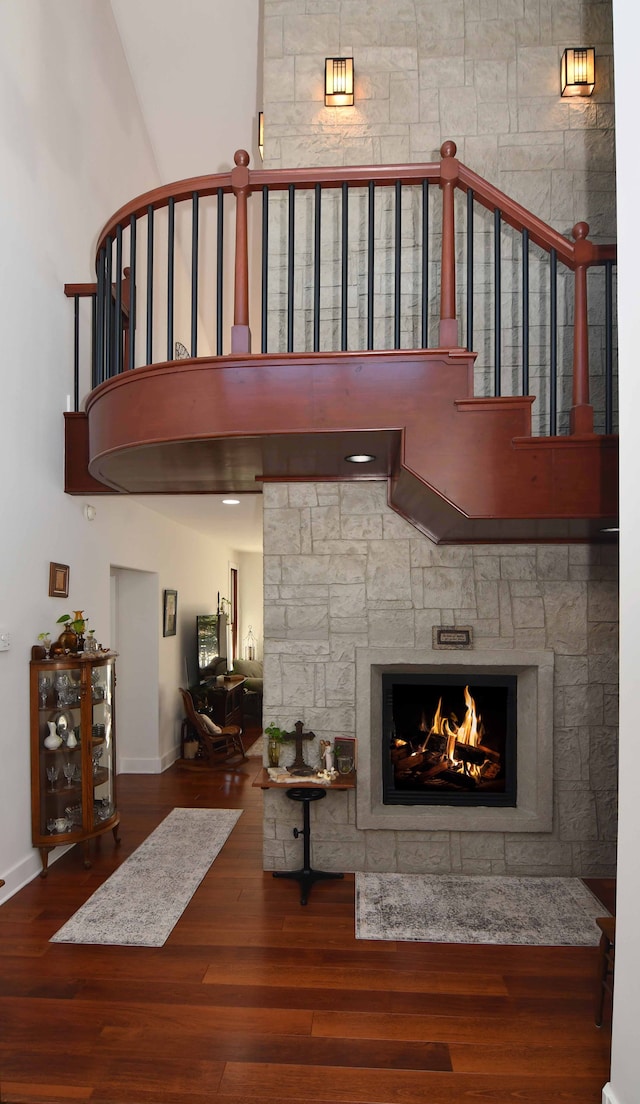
<point x="343" y="571"/>
<point x="486" y="74"/>
<point x="483" y="72"/>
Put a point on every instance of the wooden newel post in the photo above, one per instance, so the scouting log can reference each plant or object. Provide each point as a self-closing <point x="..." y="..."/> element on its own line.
<point x="448" y="336"/>
<point x="581" y="416"/>
<point x="240" y="332"/>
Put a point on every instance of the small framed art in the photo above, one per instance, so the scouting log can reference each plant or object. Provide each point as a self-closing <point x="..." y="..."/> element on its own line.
<point x="169" y="612"/>
<point x="58" y="580"/>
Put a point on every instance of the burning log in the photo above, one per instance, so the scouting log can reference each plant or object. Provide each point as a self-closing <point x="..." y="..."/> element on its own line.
<point x="458" y="780"/>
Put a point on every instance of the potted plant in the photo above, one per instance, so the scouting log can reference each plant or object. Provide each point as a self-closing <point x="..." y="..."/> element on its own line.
<point x="275" y="739"/>
<point x="71" y="638"/>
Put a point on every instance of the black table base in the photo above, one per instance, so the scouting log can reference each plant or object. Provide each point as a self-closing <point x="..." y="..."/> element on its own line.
<point x="306" y="876"/>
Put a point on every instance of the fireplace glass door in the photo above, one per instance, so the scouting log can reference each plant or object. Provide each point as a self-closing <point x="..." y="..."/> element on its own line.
<point x="449" y="739"/>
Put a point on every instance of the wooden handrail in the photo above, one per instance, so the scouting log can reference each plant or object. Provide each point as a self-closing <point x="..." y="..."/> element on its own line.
<point x="577" y="255"/>
<point x="513" y="213"/>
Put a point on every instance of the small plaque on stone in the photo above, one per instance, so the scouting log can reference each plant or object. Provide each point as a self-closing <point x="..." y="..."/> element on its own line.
<point x="452" y="636"/>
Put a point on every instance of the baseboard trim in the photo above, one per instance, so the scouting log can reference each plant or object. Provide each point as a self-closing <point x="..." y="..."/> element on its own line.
<point x="148" y="766"/>
<point x="608" y="1095"/>
<point x="26" y="870"/>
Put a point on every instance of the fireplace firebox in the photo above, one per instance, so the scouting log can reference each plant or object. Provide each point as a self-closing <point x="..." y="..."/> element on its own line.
<point x="449" y="739"/>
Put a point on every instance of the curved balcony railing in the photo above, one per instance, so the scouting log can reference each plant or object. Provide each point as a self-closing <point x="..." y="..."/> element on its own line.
<point x="358" y="259"/>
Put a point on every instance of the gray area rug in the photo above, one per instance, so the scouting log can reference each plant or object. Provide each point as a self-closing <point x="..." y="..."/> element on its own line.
<point x="142" y="901"/>
<point x="457" y="909"/>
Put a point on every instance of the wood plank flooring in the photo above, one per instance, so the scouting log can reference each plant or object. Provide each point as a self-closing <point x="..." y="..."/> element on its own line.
<point x="256" y="1000"/>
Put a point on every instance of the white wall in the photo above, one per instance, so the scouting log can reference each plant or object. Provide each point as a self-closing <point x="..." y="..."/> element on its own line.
<point x="251" y="600"/>
<point x="625" y="1066"/>
<point x="73" y="148"/>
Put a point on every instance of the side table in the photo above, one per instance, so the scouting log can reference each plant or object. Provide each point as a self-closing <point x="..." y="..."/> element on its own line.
<point x="306" y="791"/>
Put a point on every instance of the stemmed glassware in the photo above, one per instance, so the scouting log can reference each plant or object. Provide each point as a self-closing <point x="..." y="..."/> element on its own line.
<point x="68" y="770"/>
<point x="45" y="687"/>
<point x="52" y="774"/>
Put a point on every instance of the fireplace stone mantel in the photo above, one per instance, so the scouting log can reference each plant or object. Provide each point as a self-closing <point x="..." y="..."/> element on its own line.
<point x="534" y="806"/>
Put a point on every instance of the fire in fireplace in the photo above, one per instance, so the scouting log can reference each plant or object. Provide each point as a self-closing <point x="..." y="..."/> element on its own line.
<point x="449" y="739"/>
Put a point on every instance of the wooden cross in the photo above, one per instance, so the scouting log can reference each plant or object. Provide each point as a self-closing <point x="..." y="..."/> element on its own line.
<point x="299" y="766"/>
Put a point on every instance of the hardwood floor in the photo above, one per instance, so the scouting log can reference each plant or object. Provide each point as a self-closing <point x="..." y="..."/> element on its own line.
<point x="256" y="1000"/>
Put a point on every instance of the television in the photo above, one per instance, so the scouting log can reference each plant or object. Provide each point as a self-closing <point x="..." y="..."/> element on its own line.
<point x="211" y="631"/>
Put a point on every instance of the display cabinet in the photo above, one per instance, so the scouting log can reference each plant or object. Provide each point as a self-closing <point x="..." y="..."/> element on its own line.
<point x="73" y="764"/>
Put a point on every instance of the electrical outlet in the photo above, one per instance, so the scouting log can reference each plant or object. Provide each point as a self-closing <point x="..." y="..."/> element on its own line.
<point x="5" y="641"/>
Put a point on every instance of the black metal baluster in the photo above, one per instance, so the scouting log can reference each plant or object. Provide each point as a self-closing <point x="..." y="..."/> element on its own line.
<point x="525" y="312"/>
<point x="553" y="343"/>
<point x="497" y="305"/>
<point x="171" y="231"/>
<point x="344" y="304"/>
<point x="265" y="267"/>
<point x="397" y="260"/>
<point x="290" y="273"/>
<point x="118" y="328"/>
<point x="425" y="264"/>
<point x="370" y="262"/>
<point x="149" y="285"/>
<point x="94" y="338"/>
<point x="132" y="292"/>
<point x="608" y="346"/>
<point x="317" y="219"/>
<point x="194" y="274"/>
<point x="219" y="273"/>
<point x="470" y="269"/>
<point x="108" y="311"/>
<point x="76" y="352"/>
<point x="98" y="371"/>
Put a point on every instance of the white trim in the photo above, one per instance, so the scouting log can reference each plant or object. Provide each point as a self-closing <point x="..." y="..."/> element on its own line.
<point x="28" y="869"/>
<point x="608" y="1095"/>
<point x="141" y="766"/>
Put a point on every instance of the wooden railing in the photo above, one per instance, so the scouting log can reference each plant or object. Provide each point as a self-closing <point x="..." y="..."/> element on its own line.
<point x="359" y="258"/>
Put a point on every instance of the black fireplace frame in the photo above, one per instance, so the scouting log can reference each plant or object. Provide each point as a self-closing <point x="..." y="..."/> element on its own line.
<point x="504" y="799"/>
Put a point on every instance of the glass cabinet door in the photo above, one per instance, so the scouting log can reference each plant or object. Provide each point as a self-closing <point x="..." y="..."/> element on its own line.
<point x="102" y="744"/>
<point x="60" y="759"/>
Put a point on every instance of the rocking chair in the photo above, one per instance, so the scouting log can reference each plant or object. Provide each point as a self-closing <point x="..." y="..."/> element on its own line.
<point x="224" y="745"/>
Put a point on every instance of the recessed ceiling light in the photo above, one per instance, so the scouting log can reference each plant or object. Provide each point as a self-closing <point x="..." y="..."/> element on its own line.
<point x="360" y="458"/>
<point x="230" y="501"/>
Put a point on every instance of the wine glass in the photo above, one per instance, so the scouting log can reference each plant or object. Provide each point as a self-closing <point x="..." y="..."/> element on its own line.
<point x="51" y="825"/>
<point x="68" y="771"/>
<point x="45" y="688"/>
<point x="52" y="774"/>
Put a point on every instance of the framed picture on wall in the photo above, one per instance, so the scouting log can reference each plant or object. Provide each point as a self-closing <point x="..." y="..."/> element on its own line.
<point x="169" y="612"/>
<point x="58" y="580"/>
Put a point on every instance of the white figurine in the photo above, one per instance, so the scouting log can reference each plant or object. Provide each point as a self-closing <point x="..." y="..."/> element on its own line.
<point x="52" y="741"/>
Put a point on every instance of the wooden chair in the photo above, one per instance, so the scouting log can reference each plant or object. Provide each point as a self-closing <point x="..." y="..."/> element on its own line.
<point x="604" y="979"/>
<point x="225" y="746"/>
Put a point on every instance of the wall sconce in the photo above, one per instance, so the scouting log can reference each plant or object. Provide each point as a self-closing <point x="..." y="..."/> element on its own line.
<point x="261" y="134"/>
<point x="578" y="71"/>
<point x="338" y="82"/>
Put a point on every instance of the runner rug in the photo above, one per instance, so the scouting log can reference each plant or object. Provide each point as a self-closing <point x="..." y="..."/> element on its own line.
<point x="145" y="897"/>
<point x="450" y="909"/>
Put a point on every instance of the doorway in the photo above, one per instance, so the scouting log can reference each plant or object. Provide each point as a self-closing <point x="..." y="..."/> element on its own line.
<point x="135" y="635"/>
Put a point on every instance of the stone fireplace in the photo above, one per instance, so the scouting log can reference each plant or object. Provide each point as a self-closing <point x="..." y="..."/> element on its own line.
<point x="531" y="809"/>
<point x="353" y="591"/>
